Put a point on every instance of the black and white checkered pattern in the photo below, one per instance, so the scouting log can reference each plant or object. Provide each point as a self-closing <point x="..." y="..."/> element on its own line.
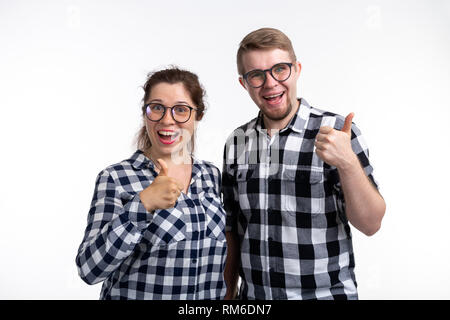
<point x="288" y="209"/>
<point x="178" y="253"/>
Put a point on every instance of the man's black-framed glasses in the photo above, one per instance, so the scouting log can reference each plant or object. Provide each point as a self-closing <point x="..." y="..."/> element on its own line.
<point x="280" y="72"/>
<point x="181" y="113"/>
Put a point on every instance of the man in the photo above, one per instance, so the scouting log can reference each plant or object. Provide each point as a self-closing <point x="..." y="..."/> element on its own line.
<point x="293" y="179"/>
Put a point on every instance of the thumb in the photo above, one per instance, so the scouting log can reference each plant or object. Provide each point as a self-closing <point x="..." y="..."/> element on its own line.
<point x="179" y="185"/>
<point x="164" y="171"/>
<point x="347" y="128"/>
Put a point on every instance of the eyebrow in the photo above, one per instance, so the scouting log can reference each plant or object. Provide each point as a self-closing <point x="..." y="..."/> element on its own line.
<point x="176" y="102"/>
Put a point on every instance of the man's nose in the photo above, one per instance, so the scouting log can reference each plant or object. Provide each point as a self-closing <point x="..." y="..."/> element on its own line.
<point x="270" y="81"/>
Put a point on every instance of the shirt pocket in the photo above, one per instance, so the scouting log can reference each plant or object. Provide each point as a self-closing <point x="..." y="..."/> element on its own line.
<point x="303" y="191"/>
<point x="248" y="187"/>
<point x="166" y="227"/>
<point x="215" y="215"/>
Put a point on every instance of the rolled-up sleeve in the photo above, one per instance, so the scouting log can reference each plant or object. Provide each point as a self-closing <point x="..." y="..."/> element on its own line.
<point x="361" y="149"/>
<point x="114" y="228"/>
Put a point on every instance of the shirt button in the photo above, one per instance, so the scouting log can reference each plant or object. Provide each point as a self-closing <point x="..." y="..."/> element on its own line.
<point x="194" y="260"/>
<point x="270" y="239"/>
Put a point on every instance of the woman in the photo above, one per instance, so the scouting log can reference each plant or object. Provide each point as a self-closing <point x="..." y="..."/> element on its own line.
<point x="156" y="227"/>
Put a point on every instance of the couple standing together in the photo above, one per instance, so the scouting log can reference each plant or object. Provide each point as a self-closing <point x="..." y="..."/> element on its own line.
<point x="165" y="225"/>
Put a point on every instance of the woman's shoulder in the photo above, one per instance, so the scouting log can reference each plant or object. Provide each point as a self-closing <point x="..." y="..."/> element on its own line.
<point x="136" y="162"/>
<point x="208" y="166"/>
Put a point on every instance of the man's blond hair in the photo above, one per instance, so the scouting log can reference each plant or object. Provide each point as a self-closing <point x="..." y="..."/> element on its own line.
<point x="264" y="39"/>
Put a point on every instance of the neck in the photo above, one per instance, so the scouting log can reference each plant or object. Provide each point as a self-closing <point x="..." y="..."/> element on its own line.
<point x="172" y="159"/>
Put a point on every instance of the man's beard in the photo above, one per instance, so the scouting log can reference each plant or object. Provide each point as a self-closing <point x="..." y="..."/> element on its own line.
<point x="279" y="117"/>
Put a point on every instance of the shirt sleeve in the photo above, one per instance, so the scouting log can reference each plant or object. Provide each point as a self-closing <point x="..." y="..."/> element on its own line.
<point x="113" y="230"/>
<point x="230" y="194"/>
<point x="361" y="150"/>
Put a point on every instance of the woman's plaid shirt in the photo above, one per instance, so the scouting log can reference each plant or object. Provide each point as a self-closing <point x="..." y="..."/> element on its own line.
<point x="288" y="209"/>
<point x="178" y="253"/>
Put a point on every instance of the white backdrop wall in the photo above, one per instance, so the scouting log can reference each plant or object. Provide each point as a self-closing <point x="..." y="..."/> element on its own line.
<point x="70" y="91"/>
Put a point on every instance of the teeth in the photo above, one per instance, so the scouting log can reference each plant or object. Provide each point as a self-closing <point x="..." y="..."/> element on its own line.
<point x="166" y="133"/>
<point x="273" y="96"/>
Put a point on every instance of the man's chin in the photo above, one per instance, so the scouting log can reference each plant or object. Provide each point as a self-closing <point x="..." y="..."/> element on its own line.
<point x="277" y="115"/>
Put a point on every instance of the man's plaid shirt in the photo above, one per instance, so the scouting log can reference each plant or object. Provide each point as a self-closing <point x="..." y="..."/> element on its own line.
<point x="288" y="209"/>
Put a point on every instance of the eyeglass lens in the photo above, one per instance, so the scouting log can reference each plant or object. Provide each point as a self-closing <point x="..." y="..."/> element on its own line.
<point x="156" y="111"/>
<point x="279" y="72"/>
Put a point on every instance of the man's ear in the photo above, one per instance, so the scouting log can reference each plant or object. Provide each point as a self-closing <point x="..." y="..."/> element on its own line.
<point x="241" y="81"/>
<point x="298" y="66"/>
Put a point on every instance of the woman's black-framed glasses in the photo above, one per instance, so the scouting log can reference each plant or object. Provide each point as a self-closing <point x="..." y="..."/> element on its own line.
<point x="280" y="72"/>
<point x="180" y="113"/>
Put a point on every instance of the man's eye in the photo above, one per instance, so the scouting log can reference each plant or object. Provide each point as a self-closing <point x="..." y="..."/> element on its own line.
<point x="255" y="75"/>
<point x="280" y="69"/>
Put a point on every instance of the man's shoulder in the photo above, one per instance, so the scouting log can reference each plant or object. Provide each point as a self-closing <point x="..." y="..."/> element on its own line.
<point x="244" y="130"/>
<point x="250" y="125"/>
<point x="320" y="117"/>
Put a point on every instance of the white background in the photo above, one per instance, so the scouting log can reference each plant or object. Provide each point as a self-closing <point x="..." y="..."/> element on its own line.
<point x="70" y="91"/>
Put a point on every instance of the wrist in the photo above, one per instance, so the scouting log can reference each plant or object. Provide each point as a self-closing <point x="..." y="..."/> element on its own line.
<point x="147" y="204"/>
<point x="350" y="164"/>
<point x="231" y="295"/>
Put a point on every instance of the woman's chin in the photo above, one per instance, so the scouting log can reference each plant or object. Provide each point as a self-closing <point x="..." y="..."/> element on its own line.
<point x="174" y="150"/>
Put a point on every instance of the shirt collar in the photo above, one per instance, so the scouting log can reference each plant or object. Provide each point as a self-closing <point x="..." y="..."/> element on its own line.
<point x="198" y="169"/>
<point x="139" y="161"/>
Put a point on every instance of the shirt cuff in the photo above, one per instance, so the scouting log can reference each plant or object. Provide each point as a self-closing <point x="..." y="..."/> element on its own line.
<point x="137" y="214"/>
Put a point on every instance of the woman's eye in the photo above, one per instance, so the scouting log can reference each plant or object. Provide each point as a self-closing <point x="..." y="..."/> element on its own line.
<point x="157" y="108"/>
<point x="181" y="109"/>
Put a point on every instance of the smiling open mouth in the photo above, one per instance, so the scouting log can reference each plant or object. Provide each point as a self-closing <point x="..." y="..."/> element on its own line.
<point x="274" y="98"/>
<point x="168" y="137"/>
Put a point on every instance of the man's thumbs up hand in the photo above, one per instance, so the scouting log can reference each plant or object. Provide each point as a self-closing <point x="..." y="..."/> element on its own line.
<point x="334" y="146"/>
<point x="347" y="128"/>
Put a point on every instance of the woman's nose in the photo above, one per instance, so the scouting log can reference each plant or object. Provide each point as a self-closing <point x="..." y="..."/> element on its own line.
<point x="167" y="118"/>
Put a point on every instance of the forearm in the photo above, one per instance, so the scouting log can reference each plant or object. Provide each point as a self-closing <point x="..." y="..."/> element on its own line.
<point x="104" y="249"/>
<point x="231" y="273"/>
<point x="364" y="206"/>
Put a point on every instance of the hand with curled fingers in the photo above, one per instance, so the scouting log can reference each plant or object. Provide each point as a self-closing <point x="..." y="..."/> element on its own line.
<point x="334" y="146"/>
<point x="163" y="192"/>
